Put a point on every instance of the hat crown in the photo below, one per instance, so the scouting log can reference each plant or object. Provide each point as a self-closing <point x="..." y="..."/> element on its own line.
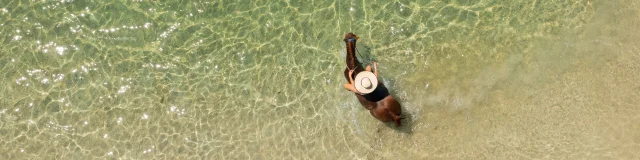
<point x="366" y="82"/>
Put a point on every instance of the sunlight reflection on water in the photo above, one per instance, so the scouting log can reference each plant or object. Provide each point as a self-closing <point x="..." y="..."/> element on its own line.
<point x="262" y="79"/>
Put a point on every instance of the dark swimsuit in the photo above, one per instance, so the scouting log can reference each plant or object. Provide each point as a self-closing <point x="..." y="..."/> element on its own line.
<point x="378" y="94"/>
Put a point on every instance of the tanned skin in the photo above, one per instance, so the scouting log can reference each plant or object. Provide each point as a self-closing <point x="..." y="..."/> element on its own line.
<point x="385" y="110"/>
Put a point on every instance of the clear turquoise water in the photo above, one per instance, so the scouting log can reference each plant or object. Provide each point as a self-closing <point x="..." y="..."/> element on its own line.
<point x="489" y="79"/>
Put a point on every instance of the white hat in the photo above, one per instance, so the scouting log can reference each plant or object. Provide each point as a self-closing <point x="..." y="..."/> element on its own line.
<point x="365" y="82"/>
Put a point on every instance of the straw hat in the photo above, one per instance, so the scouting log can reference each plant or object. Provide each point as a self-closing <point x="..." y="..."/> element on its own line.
<point x="365" y="82"/>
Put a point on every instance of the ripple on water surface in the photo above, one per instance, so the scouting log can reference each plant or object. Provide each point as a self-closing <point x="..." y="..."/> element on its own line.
<point x="229" y="80"/>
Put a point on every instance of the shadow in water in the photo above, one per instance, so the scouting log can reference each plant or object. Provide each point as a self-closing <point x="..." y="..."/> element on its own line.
<point x="364" y="55"/>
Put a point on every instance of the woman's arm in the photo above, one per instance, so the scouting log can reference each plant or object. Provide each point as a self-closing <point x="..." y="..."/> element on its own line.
<point x="375" y="69"/>
<point x="349" y="85"/>
<point x="351" y="88"/>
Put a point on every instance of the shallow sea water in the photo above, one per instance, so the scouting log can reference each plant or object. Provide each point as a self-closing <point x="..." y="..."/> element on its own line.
<point x="485" y="79"/>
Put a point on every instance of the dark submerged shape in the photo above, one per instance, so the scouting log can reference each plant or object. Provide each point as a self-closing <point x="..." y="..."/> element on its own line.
<point x="380" y="103"/>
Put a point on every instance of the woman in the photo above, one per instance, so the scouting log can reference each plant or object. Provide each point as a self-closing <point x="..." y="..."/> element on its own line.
<point x="371" y="93"/>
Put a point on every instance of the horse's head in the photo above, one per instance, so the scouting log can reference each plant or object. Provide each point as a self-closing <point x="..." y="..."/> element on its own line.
<point x="351" y="59"/>
<point x="350" y="37"/>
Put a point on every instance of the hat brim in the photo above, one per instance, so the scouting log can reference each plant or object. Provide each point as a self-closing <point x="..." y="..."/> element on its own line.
<point x="359" y="78"/>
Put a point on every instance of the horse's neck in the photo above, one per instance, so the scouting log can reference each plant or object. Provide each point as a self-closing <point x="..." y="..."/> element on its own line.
<point x="352" y="60"/>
